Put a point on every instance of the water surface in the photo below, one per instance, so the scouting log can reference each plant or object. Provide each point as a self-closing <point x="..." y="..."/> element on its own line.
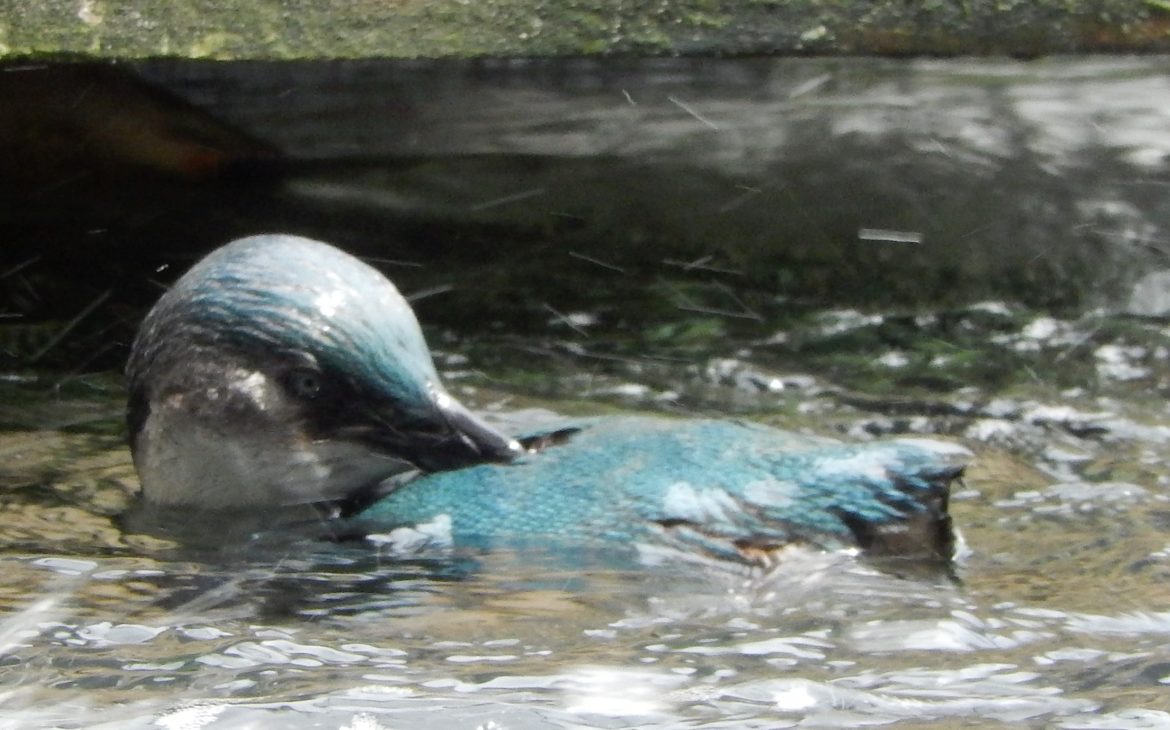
<point x="1057" y="616"/>
<point x="565" y="302"/>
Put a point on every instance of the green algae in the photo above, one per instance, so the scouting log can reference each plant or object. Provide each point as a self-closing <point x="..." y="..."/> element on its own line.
<point x="303" y="29"/>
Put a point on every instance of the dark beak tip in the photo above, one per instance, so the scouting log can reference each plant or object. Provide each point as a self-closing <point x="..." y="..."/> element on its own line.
<point x="512" y="450"/>
<point x="480" y="442"/>
<point x="501" y="451"/>
<point x="485" y="444"/>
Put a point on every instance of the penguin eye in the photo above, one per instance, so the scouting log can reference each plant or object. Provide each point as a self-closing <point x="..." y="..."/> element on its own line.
<point x="305" y="384"/>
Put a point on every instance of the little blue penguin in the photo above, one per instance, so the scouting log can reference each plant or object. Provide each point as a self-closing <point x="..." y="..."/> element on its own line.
<point x="716" y="488"/>
<point x="281" y="371"/>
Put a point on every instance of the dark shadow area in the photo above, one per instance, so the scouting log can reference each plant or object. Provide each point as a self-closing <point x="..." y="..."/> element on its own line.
<point x="503" y="193"/>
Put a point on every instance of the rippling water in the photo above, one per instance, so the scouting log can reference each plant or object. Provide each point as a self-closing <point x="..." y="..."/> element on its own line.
<point x="1057" y="616"/>
<point x="686" y="237"/>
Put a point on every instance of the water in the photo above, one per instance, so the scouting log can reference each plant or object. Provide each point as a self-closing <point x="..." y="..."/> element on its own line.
<point x="1056" y="615"/>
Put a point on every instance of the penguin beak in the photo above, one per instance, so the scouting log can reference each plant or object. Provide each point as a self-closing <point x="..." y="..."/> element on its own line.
<point x="452" y="437"/>
<point x="469" y="441"/>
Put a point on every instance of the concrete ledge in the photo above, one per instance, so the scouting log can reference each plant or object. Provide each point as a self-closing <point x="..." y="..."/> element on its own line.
<point x="321" y="29"/>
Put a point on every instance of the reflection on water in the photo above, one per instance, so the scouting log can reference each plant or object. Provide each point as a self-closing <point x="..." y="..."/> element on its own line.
<point x="596" y="187"/>
<point x="1058" y="617"/>
<point x="855" y="180"/>
<point x="668" y="236"/>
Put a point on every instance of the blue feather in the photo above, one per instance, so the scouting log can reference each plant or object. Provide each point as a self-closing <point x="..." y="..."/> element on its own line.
<point x="280" y="371"/>
<point x="726" y="489"/>
<point x="282" y="295"/>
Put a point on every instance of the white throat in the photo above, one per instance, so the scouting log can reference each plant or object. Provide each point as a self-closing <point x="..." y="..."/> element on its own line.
<point x="241" y="442"/>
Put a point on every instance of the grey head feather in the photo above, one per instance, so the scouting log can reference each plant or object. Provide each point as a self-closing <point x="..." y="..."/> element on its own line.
<point x="220" y="409"/>
<point x="285" y="296"/>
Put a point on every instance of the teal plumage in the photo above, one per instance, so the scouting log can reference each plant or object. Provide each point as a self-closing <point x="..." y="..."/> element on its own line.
<point x="280" y="372"/>
<point x="727" y="489"/>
